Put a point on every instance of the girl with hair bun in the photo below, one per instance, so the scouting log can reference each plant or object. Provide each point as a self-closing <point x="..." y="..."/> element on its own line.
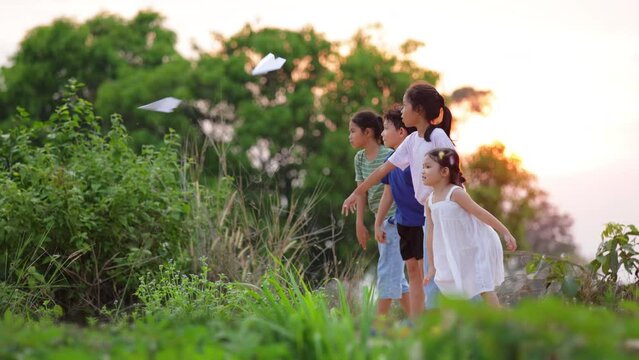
<point x="465" y="257"/>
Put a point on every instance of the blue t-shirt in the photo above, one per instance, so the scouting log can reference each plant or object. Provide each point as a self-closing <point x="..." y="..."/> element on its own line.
<point x="409" y="211"/>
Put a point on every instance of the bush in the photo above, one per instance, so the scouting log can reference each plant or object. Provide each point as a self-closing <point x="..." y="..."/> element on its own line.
<point x="285" y="319"/>
<point x="171" y="294"/>
<point x="619" y="249"/>
<point x="611" y="277"/>
<point x="105" y="214"/>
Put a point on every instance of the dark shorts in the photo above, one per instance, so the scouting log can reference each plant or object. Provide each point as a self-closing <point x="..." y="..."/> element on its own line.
<point x="411" y="242"/>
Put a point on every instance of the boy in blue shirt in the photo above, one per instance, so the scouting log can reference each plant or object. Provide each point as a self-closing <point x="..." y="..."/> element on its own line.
<point x="409" y="213"/>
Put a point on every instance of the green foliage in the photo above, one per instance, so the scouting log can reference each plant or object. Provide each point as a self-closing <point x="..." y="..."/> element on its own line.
<point x="299" y="116"/>
<point x="172" y="295"/>
<point x="104" y="48"/>
<point x="279" y="110"/>
<point x="498" y="182"/>
<point x="242" y="234"/>
<point x="285" y="319"/>
<point x="502" y="186"/>
<point x="103" y="213"/>
<point x="597" y="283"/>
<point x="535" y="329"/>
<point x="125" y="94"/>
<point x="618" y="249"/>
<point x="560" y="273"/>
<point x="23" y="288"/>
<point x="310" y="324"/>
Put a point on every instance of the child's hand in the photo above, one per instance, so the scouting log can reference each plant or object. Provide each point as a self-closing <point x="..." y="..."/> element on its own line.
<point x="380" y="235"/>
<point x="430" y="275"/>
<point x="350" y="204"/>
<point x="511" y="243"/>
<point x="362" y="235"/>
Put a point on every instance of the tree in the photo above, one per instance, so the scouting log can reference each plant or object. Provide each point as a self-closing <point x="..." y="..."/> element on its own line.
<point x="549" y="232"/>
<point x="284" y="130"/>
<point x="500" y="184"/>
<point x="104" y="48"/>
<point x="277" y="126"/>
<point x="125" y="94"/>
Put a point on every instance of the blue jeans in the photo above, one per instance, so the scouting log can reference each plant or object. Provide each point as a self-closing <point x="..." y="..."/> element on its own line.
<point x="391" y="281"/>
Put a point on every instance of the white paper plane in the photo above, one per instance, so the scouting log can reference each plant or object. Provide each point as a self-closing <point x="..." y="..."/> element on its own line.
<point x="166" y="105"/>
<point x="267" y="64"/>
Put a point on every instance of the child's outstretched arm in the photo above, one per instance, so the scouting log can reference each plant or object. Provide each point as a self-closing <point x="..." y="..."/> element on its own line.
<point x="428" y="277"/>
<point x="384" y="204"/>
<point x="374" y="178"/>
<point x="467" y="203"/>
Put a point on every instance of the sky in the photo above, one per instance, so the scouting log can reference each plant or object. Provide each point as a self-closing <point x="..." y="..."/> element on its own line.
<point x="564" y="75"/>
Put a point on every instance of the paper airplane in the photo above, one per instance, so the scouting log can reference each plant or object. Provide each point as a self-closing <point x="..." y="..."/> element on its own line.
<point x="166" y="105"/>
<point x="267" y="64"/>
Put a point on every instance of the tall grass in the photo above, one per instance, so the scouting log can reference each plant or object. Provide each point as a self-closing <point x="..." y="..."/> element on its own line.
<point x="284" y="318"/>
<point x="26" y="287"/>
<point x="243" y="231"/>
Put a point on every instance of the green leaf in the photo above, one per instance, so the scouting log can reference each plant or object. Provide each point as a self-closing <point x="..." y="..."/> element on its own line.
<point x="621" y="239"/>
<point x="33" y="272"/>
<point x="613" y="261"/>
<point x="605" y="265"/>
<point x="533" y="265"/>
<point x="570" y="286"/>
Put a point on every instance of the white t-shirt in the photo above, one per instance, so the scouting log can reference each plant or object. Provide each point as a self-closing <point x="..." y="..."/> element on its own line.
<point x="411" y="153"/>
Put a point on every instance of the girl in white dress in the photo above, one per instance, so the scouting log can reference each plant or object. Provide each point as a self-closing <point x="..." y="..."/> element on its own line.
<point x="465" y="257"/>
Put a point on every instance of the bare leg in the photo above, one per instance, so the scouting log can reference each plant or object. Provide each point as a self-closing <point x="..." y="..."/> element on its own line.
<point x="404" y="301"/>
<point x="415" y="288"/>
<point x="383" y="306"/>
<point x="491" y="299"/>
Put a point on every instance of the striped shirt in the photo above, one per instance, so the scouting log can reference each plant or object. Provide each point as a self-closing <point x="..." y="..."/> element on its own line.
<point x="363" y="168"/>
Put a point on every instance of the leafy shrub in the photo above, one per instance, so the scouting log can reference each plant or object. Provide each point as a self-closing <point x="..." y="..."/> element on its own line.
<point x="535" y="329"/>
<point x="598" y="282"/>
<point x="560" y="275"/>
<point x="619" y="249"/>
<point x="104" y="213"/>
<point x="171" y="294"/>
<point x="285" y="319"/>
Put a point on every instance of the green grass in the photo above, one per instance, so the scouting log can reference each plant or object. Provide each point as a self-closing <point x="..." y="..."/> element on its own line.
<point x="284" y="319"/>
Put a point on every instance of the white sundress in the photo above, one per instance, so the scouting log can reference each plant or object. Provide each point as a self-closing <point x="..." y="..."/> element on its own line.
<point x="467" y="253"/>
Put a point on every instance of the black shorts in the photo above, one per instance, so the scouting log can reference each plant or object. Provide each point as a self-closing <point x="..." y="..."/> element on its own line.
<point x="411" y="242"/>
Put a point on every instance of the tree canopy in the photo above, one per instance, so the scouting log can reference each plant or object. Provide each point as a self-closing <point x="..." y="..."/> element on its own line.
<point x="287" y="129"/>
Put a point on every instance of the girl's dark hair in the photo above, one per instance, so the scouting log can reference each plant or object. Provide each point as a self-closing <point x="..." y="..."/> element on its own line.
<point x="394" y="115"/>
<point x="425" y="100"/>
<point x="367" y="119"/>
<point x="448" y="158"/>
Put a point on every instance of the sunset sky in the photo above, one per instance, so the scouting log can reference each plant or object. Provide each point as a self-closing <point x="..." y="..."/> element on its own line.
<point x="564" y="73"/>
